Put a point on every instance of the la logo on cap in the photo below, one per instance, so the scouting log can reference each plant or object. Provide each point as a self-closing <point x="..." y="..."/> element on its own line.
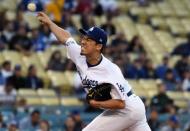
<point x="91" y="29"/>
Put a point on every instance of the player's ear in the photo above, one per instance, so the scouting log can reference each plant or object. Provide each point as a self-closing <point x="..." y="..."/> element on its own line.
<point x="99" y="46"/>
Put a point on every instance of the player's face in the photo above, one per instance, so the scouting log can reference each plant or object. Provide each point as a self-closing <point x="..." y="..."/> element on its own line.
<point x="88" y="45"/>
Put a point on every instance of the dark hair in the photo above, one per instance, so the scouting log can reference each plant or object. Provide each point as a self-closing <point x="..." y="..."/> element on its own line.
<point x="169" y="71"/>
<point x="31" y="67"/>
<point x="54" y="53"/>
<point x="6" y="63"/>
<point x="35" y="112"/>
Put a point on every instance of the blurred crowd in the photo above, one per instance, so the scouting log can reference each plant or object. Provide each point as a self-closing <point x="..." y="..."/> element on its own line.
<point x="129" y="55"/>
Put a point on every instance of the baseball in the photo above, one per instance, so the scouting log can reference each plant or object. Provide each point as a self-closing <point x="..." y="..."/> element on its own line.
<point x="31" y="6"/>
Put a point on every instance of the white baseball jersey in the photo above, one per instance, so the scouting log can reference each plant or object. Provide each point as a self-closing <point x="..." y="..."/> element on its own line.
<point x="104" y="72"/>
<point x="132" y="118"/>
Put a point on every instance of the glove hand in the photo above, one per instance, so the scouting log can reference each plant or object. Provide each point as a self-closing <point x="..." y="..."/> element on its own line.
<point x="99" y="93"/>
<point x="90" y="95"/>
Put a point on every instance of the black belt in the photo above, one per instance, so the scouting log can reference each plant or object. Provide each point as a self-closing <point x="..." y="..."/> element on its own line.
<point x="129" y="93"/>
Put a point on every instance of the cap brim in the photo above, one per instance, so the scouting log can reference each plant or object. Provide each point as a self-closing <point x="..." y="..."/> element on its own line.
<point x="82" y="31"/>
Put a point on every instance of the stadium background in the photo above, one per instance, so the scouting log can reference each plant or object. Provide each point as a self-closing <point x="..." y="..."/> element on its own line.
<point x="148" y="39"/>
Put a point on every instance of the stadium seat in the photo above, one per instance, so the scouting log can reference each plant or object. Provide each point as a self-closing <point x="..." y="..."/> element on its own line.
<point x="166" y="40"/>
<point x="44" y="57"/>
<point x="158" y="22"/>
<point x="14" y="57"/>
<point x="9" y="4"/>
<point x="70" y="101"/>
<point x="173" y="61"/>
<point x="186" y="23"/>
<point x="176" y="95"/>
<point x="180" y="40"/>
<point x="32" y="60"/>
<point x="123" y="22"/>
<point x="181" y="103"/>
<point x="61" y="48"/>
<point x="30" y="95"/>
<point x="138" y="88"/>
<point x="76" y="20"/>
<point x="187" y="95"/>
<point x="166" y="9"/>
<point x="1" y="58"/>
<point x="61" y="81"/>
<point x="176" y="26"/>
<point x="148" y="84"/>
<point x="152" y="10"/>
<point x="48" y="97"/>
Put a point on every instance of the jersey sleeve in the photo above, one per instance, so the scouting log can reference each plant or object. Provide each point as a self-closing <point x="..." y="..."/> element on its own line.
<point x="73" y="49"/>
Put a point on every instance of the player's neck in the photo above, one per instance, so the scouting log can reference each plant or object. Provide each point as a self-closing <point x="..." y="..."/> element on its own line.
<point x="94" y="59"/>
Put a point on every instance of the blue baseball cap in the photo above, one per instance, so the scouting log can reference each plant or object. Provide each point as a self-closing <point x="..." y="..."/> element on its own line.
<point x="96" y="33"/>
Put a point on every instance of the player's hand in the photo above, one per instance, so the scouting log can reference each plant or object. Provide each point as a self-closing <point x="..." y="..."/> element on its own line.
<point x="94" y="103"/>
<point x="43" y="18"/>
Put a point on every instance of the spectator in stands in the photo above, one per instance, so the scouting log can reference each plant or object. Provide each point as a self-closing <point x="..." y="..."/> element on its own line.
<point x="79" y="125"/>
<point x="86" y="20"/>
<point x="13" y="126"/>
<point x="32" y="80"/>
<point x="2" y="79"/>
<point x="20" y="41"/>
<point x="172" y="125"/>
<point x="135" y="71"/>
<point x="38" y="43"/>
<point x="98" y="9"/>
<point x="84" y="6"/>
<point x="153" y="121"/>
<point x="182" y="65"/>
<point x="67" y="22"/>
<point x="109" y="27"/>
<point x="69" y="124"/>
<point x="143" y="2"/>
<point x="6" y="69"/>
<point x="170" y="81"/>
<point x="3" y="20"/>
<point x="183" y="48"/>
<point x="186" y="80"/>
<point x="109" y="6"/>
<point x="119" y="39"/>
<point x="2" y="123"/>
<point x="187" y="126"/>
<point x="46" y="37"/>
<point x="149" y="69"/>
<point x="54" y="8"/>
<point x="8" y="94"/>
<point x="21" y="106"/>
<point x="17" y="79"/>
<point x="56" y="62"/>
<point x="161" y="101"/>
<point x="70" y="5"/>
<point x="161" y="69"/>
<point x="31" y="123"/>
<point x="44" y="126"/>
<point x="8" y="32"/>
<point x="136" y="45"/>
